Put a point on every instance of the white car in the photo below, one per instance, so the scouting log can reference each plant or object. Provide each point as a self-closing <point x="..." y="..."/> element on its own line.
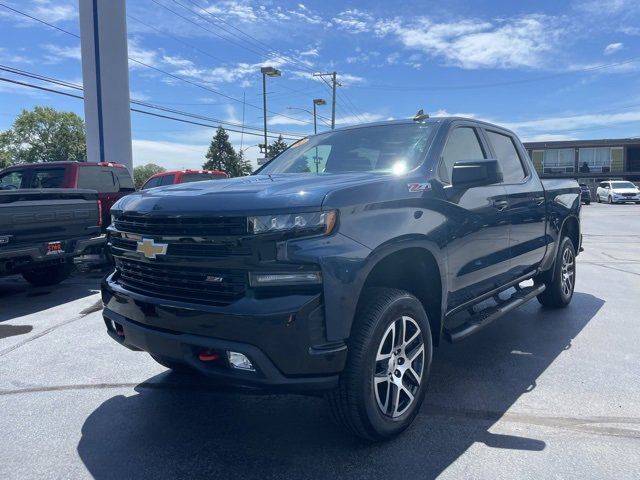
<point x="617" y="191"/>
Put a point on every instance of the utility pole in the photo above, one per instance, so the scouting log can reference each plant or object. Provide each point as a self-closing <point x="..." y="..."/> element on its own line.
<point x="333" y="84"/>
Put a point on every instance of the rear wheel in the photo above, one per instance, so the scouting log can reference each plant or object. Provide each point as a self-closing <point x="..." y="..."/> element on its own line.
<point x="384" y="382"/>
<point x="50" y="275"/>
<point x="559" y="291"/>
<point x="598" y="199"/>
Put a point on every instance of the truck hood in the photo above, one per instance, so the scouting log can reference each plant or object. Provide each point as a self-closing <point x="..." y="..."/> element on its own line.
<point x="255" y="193"/>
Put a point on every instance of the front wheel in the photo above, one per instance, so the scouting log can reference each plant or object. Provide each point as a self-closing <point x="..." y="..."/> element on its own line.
<point x="384" y="382"/>
<point x="559" y="291"/>
<point x="610" y="200"/>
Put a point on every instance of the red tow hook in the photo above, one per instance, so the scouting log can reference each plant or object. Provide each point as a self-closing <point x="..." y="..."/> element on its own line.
<point x="207" y="356"/>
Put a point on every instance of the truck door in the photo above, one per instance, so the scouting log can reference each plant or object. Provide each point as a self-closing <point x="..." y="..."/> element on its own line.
<point x="526" y="210"/>
<point x="478" y="247"/>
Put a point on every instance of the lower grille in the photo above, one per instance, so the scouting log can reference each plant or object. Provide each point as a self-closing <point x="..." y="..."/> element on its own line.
<point x="198" y="285"/>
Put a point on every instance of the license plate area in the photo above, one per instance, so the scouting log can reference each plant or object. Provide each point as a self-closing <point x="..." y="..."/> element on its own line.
<point x="55" y="248"/>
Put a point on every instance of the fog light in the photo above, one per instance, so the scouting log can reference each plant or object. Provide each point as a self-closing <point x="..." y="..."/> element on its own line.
<point x="240" y="361"/>
<point x="276" y="279"/>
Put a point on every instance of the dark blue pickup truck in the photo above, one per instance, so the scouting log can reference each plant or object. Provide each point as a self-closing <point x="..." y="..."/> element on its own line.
<point x="343" y="262"/>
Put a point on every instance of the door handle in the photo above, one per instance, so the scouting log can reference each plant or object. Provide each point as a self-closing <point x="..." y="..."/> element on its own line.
<point x="500" y="204"/>
<point x="538" y="200"/>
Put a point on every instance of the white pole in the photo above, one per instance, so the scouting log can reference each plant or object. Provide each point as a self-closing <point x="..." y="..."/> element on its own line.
<point x="105" y="75"/>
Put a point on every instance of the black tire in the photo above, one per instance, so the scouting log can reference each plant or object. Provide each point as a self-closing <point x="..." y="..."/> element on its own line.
<point x="47" y="276"/>
<point x="355" y="402"/>
<point x="588" y="202"/>
<point x="172" y="365"/>
<point x="558" y="293"/>
<point x="598" y="198"/>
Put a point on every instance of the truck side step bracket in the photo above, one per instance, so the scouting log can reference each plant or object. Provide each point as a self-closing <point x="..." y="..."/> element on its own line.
<point x="484" y="317"/>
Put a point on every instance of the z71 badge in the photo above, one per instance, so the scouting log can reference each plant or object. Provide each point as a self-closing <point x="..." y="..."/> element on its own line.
<point x="419" y="187"/>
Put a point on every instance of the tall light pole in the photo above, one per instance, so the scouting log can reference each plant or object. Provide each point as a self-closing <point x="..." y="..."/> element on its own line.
<point x="316" y="102"/>
<point x="271" y="72"/>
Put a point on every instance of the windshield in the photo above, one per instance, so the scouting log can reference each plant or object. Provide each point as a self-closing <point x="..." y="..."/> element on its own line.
<point x="622" y="185"/>
<point x="385" y="148"/>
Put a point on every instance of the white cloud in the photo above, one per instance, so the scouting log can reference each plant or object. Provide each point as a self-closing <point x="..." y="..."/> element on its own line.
<point x="365" y="117"/>
<point x="7" y="56"/>
<point x="176" y="61"/>
<point x="573" y="122"/>
<point x="145" y="55"/>
<point x="612" y="48"/>
<point x="171" y="155"/>
<point x="472" y="44"/>
<point x="56" y="53"/>
<point x="353" y="21"/>
<point x="547" y="137"/>
<point x="54" y="12"/>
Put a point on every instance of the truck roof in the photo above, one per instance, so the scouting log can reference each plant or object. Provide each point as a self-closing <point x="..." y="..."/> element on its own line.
<point x="65" y="163"/>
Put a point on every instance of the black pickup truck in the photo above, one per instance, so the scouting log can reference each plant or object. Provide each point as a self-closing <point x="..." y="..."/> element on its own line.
<point x="42" y="230"/>
<point x="343" y="262"/>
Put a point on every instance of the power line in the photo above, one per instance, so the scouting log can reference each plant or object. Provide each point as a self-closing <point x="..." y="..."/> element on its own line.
<point x="272" y="134"/>
<point x="159" y="70"/>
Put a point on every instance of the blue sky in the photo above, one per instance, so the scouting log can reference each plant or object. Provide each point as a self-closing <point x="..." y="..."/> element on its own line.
<point x="549" y="70"/>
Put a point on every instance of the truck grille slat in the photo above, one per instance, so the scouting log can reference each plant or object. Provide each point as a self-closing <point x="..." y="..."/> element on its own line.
<point x="197" y="285"/>
<point x="188" y="226"/>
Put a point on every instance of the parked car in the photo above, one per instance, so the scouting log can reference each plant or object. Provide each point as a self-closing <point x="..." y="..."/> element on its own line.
<point x="585" y="194"/>
<point x="112" y="181"/>
<point x="343" y="262"/>
<point x="44" y="230"/>
<point x="617" y="191"/>
<point x="182" y="176"/>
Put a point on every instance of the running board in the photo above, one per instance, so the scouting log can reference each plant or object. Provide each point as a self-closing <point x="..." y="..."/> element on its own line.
<point x="485" y="317"/>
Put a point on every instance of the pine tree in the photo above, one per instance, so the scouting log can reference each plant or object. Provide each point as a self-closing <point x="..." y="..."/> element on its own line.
<point x="277" y="146"/>
<point x="221" y="154"/>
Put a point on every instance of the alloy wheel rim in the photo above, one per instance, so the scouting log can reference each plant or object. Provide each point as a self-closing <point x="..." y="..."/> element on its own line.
<point x="568" y="272"/>
<point x="399" y="366"/>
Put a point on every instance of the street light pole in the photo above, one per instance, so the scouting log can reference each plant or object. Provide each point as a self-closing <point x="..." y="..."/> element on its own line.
<point x="272" y="72"/>
<point x="316" y="101"/>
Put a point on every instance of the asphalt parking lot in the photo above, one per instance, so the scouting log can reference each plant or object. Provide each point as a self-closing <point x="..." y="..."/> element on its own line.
<point x="538" y="394"/>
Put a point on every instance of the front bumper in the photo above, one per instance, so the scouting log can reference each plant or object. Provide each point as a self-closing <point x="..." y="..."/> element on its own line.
<point x="283" y="337"/>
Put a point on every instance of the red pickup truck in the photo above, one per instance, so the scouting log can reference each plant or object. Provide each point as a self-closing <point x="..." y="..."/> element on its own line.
<point x="182" y="176"/>
<point x="111" y="180"/>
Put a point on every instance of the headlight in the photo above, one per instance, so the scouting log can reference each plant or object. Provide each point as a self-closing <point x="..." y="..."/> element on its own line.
<point x="316" y="222"/>
<point x="284" y="278"/>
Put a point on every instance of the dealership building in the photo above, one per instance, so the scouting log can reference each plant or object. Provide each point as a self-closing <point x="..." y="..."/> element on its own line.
<point x="589" y="161"/>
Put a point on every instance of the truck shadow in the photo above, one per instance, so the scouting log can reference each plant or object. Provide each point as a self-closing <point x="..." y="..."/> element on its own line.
<point x="177" y="427"/>
<point x="18" y="298"/>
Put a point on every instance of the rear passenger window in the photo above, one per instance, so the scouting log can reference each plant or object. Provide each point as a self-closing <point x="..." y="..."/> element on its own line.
<point x="47" y="178"/>
<point x="463" y="144"/>
<point x="507" y="156"/>
<point x="96" y="178"/>
<point x="124" y="179"/>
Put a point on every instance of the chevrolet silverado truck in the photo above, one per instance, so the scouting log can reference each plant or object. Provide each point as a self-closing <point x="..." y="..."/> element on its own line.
<point x="339" y="265"/>
<point x="43" y="230"/>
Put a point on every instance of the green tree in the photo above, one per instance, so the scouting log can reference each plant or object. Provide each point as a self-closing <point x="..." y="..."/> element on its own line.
<point x="222" y="156"/>
<point x="45" y="135"/>
<point x="277" y="146"/>
<point x="141" y="173"/>
<point x="6" y="153"/>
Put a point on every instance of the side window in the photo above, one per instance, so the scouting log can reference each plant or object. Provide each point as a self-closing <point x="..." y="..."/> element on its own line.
<point x="11" y="180"/>
<point x="167" y="179"/>
<point x="124" y="179"/>
<point x="47" y="178"/>
<point x="507" y="156"/>
<point x="96" y="178"/>
<point x="154" y="182"/>
<point x="462" y="144"/>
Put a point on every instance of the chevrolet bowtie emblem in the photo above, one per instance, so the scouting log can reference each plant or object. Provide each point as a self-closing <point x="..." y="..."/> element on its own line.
<point x="151" y="249"/>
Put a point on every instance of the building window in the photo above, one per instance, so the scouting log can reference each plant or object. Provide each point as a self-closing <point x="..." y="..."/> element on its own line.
<point x="558" y="160"/>
<point x="595" y="159"/>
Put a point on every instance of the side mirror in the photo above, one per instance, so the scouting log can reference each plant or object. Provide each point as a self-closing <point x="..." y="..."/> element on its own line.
<point x="475" y="173"/>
